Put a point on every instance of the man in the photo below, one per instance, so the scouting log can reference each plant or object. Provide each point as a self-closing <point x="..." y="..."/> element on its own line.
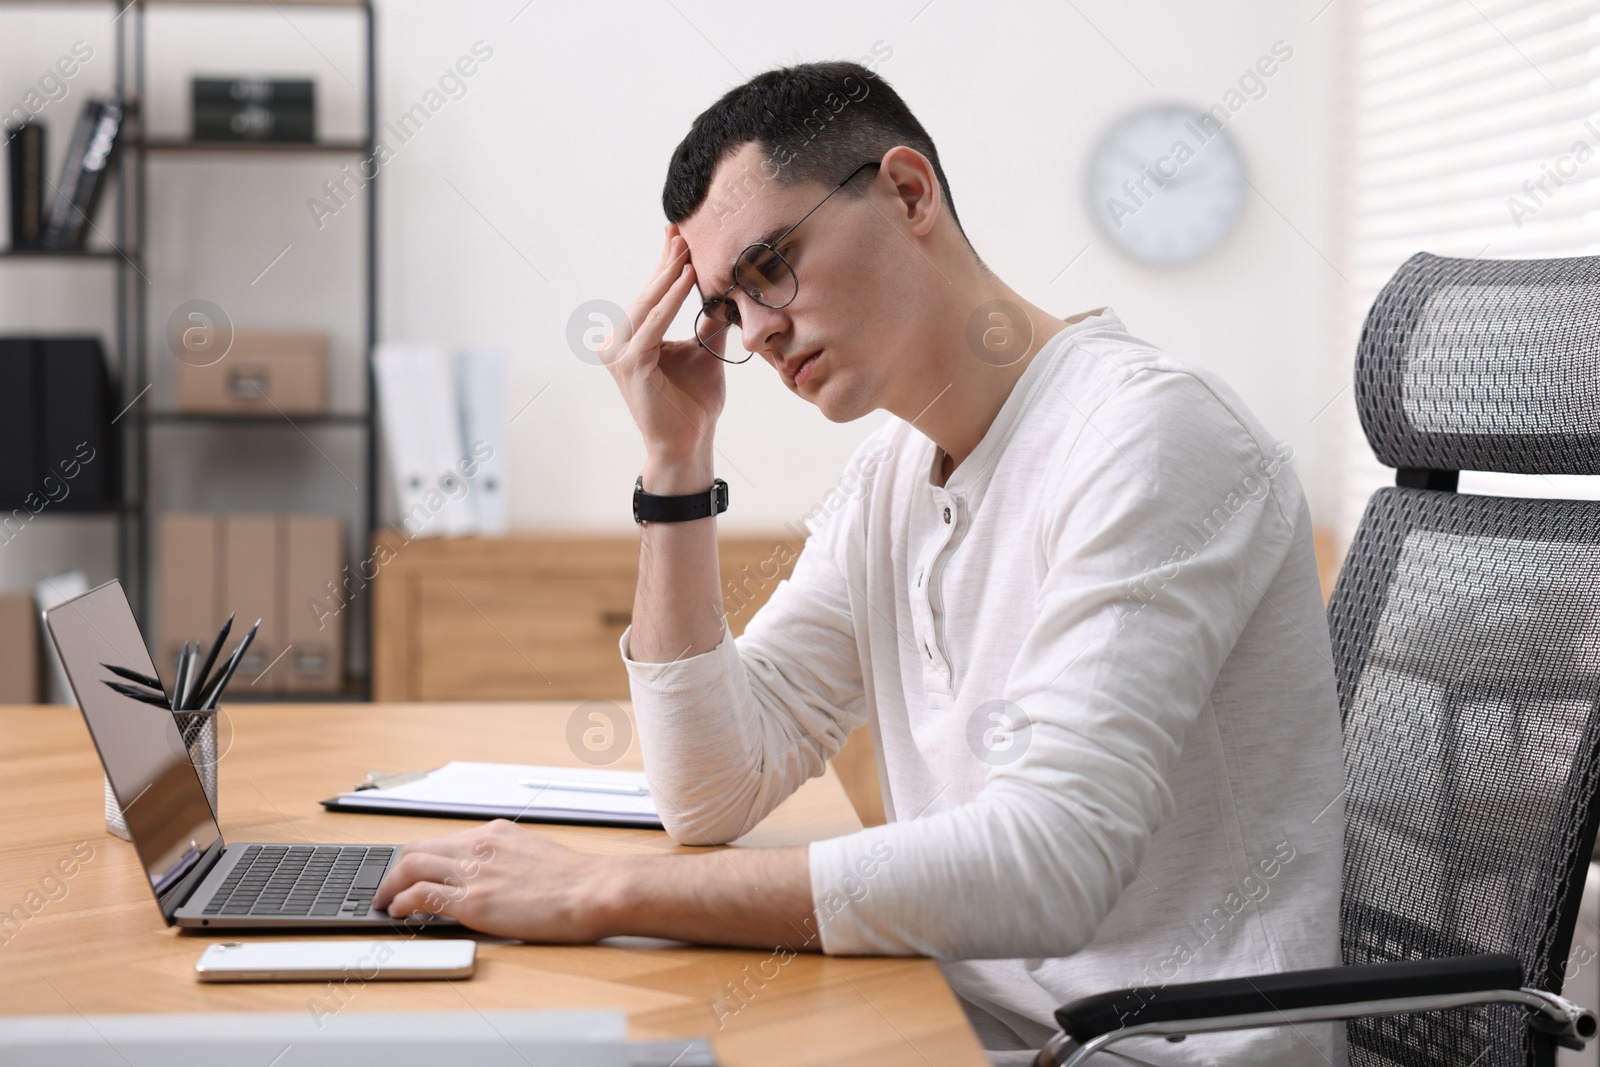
<point x="1069" y="586"/>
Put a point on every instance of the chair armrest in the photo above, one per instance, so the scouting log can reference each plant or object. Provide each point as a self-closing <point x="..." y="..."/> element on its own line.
<point x="1088" y="1018"/>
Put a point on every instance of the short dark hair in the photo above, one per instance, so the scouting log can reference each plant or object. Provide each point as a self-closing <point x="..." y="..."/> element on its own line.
<point x="815" y="122"/>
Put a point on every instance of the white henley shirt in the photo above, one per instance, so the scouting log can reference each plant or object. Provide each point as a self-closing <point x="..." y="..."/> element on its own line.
<point x="1098" y="677"/>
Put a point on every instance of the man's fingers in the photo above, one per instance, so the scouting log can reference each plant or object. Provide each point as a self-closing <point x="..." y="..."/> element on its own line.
<point x="414" y="866"/>
<point x="649" y="332"/>
<point x="659" y="286"/>
<point x="666" y="251"/>
<point x="429" y="897"/>
<point x="457" y="844"/>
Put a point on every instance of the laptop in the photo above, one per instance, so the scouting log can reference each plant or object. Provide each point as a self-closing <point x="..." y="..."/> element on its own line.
<point x="200" y="880"/>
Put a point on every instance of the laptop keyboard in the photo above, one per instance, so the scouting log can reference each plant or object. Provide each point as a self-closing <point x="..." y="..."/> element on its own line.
<point x="302" y="880"/>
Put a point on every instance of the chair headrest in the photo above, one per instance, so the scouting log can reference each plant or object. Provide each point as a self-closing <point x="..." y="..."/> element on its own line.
<point x="1484" y="365"/>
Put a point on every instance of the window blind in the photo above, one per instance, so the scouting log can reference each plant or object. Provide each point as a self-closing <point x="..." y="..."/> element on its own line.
<point x="1474" y="130"/>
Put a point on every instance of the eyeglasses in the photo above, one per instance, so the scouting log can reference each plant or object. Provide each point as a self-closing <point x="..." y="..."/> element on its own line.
<point x="764" y="276"/>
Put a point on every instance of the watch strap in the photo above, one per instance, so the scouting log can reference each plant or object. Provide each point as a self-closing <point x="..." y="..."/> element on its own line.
<point x="649" y="507"/>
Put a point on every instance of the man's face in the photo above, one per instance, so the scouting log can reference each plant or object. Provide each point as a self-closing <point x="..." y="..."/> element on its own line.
<point x="840" y="263"/>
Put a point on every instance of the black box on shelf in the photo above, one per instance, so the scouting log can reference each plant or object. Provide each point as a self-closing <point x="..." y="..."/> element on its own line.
<point x="254" y="109"/>
<point x="58" y="448"/>
<point x="300" y="92"/>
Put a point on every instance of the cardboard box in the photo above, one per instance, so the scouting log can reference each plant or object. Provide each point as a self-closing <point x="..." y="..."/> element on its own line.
<point x="314" y="599"/>
<point x="263" y="372"/>
<point x="19" y="649"/>
<point x="285" y="570"/>
<point x="252" y="585"/>
<point x="190" y="597"/>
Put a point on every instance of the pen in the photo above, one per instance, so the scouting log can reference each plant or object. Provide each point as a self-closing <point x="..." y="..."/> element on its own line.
<point x="179" y="675"/>
<point x="226" y="672"/>
<point x="191" y="684"/>
<point x="586" y="787"/>
<point x="204" y="678"/>
<point x="135" y="676"/>
<point x="139" y="694"/>
<point x="186" y="681"/>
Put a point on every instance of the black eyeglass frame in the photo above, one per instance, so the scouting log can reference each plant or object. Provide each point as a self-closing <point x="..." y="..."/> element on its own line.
<point x="770" y="247"/>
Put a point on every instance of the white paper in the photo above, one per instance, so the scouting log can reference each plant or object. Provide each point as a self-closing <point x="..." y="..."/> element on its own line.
<point x="495" y="790"/>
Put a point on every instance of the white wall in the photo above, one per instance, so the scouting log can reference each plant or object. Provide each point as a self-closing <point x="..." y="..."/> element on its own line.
<point x="539" y="189"/>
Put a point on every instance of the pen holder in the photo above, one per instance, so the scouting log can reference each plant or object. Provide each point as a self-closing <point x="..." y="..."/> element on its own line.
<point x="199" y="732"/>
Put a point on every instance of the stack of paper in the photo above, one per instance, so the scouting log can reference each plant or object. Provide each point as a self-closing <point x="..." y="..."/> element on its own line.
<point x="515" y="791"/>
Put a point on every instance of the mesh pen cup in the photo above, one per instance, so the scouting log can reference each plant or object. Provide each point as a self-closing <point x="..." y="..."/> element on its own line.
<point x="199" y="732"/>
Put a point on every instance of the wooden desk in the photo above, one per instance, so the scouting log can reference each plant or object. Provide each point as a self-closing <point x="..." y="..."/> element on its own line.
<point x="99" y="946"/>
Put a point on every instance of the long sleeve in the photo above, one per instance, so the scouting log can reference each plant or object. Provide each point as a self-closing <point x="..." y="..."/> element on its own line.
<point x="1165" y="520"/>
<point x="730" y="733"/>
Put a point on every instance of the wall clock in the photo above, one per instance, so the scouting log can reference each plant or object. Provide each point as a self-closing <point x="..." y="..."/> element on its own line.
<point x="1166" y="184"/>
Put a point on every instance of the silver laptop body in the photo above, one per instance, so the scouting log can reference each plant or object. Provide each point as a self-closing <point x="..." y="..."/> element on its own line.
<point x="198" y="879"/>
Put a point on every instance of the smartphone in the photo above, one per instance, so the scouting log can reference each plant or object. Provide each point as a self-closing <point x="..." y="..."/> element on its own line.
<point x="315" y="961"/>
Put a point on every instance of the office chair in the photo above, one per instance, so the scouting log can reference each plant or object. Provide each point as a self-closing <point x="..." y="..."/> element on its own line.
<point x="1466" y="638"/>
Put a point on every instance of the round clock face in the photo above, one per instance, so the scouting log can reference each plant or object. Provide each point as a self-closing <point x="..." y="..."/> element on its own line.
<point x="1166" y="184"/>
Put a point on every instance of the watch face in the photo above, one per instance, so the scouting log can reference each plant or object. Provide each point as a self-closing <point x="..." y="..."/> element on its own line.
<point x="1166" y="184"/>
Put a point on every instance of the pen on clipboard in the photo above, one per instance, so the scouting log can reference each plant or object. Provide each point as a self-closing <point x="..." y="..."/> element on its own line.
<point x="379" y="780"/>
<point x="586" y="787"/>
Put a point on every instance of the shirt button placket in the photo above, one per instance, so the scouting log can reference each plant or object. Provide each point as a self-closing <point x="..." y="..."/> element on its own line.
<point x="948" y="515"/>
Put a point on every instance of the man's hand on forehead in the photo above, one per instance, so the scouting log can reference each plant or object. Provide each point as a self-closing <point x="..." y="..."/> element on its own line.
<point x="673" y="230"/>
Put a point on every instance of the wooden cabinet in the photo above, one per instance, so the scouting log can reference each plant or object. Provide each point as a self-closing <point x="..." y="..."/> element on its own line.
<point x="529" y="617"/>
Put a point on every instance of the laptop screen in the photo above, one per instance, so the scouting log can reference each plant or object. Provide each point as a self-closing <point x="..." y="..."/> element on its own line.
<point x="168" y="816"/>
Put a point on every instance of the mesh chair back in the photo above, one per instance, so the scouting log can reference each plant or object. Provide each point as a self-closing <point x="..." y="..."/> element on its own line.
<point x="1466" y="633"/>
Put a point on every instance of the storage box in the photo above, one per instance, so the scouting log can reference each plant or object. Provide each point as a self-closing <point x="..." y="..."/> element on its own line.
<point x="264" y="372"/>
<point x="314" y="603"/>
<point x="252" y="585"/>
<point x="286" y="570"/>
<point x="190" y="596"/>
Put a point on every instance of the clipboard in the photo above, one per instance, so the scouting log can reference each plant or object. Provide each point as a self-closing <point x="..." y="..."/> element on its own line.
<point x="466" y="790"/>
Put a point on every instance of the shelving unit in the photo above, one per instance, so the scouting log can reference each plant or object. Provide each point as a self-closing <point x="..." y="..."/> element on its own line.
<point x="139" y="418"/>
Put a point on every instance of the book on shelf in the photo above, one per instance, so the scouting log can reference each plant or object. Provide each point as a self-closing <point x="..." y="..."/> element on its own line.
<point x="83" y="174"/>
<point x="25" y="156"/>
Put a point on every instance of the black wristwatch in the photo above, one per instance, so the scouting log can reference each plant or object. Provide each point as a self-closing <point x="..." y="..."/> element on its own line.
<point x="648" y="507"/>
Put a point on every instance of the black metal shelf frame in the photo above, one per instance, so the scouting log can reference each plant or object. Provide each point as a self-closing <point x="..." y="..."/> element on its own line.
<point x="134" y="513"/>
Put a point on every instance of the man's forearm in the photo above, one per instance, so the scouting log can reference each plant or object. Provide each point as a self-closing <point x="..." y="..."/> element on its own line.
<point x="677" y="606"/>
<point x="748" y="897"/>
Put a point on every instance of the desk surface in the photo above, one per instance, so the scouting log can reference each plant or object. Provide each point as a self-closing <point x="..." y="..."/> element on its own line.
<point x="99" y="946"/>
